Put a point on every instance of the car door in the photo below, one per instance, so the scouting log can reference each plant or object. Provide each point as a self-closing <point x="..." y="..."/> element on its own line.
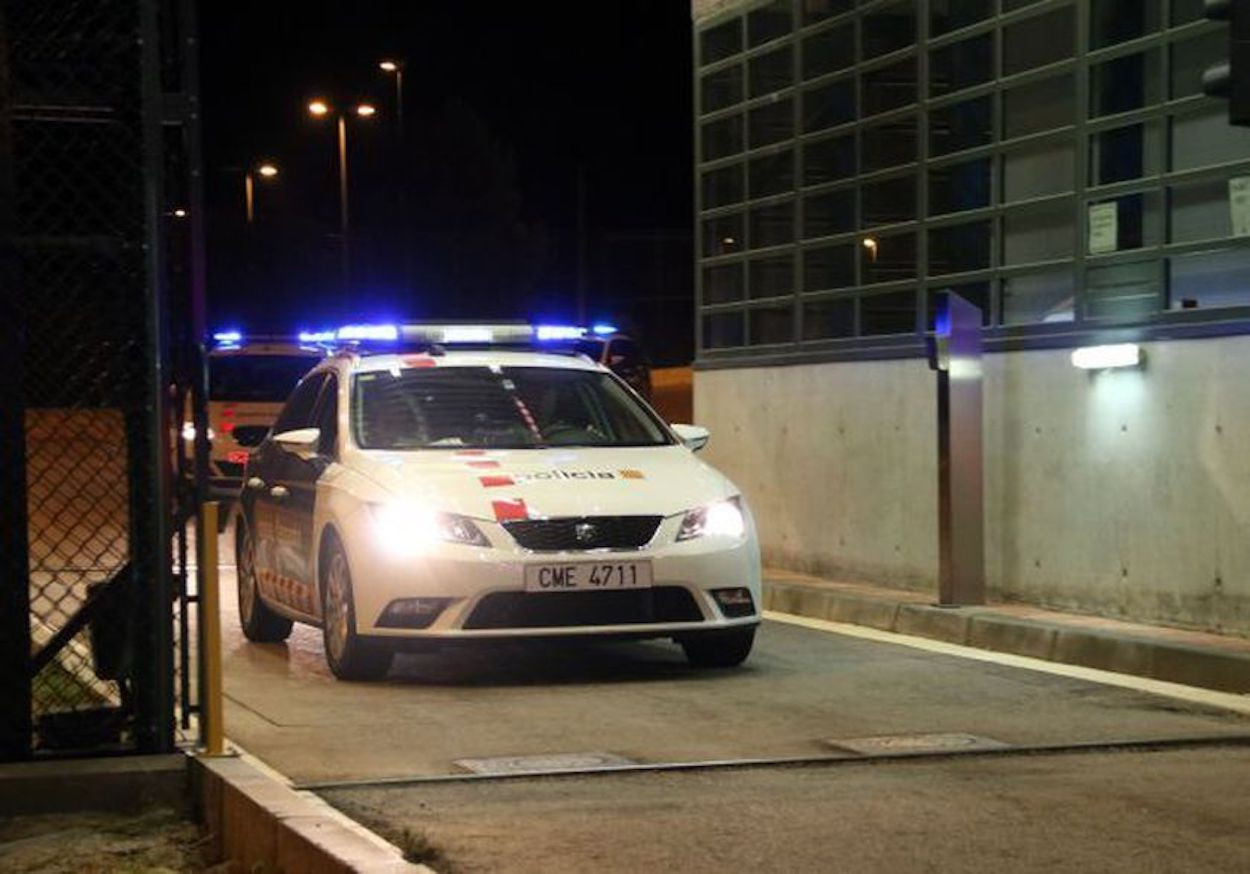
<point x="293" y="517"/>
<point x="265" y="492"/>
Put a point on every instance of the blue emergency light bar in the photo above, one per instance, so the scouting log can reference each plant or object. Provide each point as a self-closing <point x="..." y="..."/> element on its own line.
<point x="317" y="337"/>
<point x="368" y="332"/>
<point x="228" y="338"/>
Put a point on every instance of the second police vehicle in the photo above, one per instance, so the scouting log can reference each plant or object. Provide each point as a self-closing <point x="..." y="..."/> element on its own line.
<point x="408" y="498"/>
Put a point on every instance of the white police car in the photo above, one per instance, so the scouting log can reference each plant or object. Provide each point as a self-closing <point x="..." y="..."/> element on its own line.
<point x="405" y="499"/>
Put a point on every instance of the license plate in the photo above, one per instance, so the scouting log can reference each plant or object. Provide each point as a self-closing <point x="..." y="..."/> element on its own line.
<point x="588" y="576"/>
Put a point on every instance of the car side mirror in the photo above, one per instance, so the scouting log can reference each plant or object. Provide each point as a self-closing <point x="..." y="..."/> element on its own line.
<point x="693" y="437"/>
<point x="301" y="442"/>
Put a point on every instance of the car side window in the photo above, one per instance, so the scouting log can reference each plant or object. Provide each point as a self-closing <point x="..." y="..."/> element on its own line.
<point x="327" y="418"/>
<point x="298" y="412"/>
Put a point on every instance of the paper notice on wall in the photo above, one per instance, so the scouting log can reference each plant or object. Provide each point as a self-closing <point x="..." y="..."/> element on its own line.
<point x="1239" y="205"/>
<point x="1104" y="228"/>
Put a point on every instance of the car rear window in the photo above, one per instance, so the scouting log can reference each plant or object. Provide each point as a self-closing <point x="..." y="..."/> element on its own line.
<point x="256" y="378"/>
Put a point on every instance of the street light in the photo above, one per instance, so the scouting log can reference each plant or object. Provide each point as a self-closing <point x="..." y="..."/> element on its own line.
<point x="265" y="171"/>
<point x="396" y="69"/>
<point x="320" y="108"/>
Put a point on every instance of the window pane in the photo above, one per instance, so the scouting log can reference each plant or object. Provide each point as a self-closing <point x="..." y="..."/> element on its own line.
<point x="1124" y="153"/>
<point x="769" y="23"/>
<point x="772" y="174"/>
<point x="1191" y="56"/>
<point x="959" y="248"/>
<point x="891" y="259"/>
<point x="722" y="235"/>
<point x="829" y="105"/>
<point x="961" y="126"/>
<point x="772" y="325"/>
<point x="723" y="137"/>
<point x="1211" y="279"/>
<point x="957" y="187"/>
<point x="889" y="145"/>
<point x="829" y="319"/>
<point x="961" y="65"/>
<point x="889" y="87"/>
<point x="889" y="29"/>
<point x="1038" y="233"/>
<point x="1117" y="21"/>
<point x="772" y="277"/>
<point x="829" y="267"/>
<point x="829" y="160"/>
<point x="1039" y="169"/>
<point x="1124" y="84"/>
<point x="1136" y="223"/>
<point x="1037" y="298"/>
<point x="772" y="72"/>
<point x="948" y="15"/>
<point x="829" y="50"/>
<point x="722" y="187"/>
<point x="832" y="212"/>
<point x="772" y="225"/>
<point x="1200" y="140"/>
<point x="977" y="293"/>
<point x="893" y="313"/>
<point x="1038" y="41"/>
<point x="722" y="283"/>
<point x="889" y="201"/>
<point x="722" y="88"/>
<point x="772" y="123"/>
<point x="1200" y="211"/>
<point x="722" y="329"/>
<point x="722" y="41"/>
<point x="819" y="10"/>
<point x="1122" y="291"/>
<point x="1039" y="106"/>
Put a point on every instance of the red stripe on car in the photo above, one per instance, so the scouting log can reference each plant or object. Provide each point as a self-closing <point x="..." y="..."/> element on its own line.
<point x="506" y="511"/>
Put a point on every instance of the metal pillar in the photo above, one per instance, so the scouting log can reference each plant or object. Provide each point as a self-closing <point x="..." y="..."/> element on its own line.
<point x="956" y="356"/>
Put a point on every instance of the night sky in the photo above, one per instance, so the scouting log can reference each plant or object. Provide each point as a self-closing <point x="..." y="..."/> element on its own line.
<point x="473" y="213"/>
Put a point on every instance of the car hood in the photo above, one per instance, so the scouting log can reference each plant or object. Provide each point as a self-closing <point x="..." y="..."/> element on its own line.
<point x="536" y="483"/>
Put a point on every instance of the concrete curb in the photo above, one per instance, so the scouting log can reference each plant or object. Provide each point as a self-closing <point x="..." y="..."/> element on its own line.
<point x="254" y="818"/>
<point x="124" y="783"/>
<point x="1052" y="640"/>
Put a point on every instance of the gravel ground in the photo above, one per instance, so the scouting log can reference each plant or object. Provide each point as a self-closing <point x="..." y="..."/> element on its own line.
<point x="154" y="842"/>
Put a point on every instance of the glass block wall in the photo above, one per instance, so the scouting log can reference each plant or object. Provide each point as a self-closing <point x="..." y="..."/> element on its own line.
<point x="1054" y="161"/>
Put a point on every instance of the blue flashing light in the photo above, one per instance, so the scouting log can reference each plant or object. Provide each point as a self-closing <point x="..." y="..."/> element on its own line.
<point x="368" y="332"/>
<point x="228" y="338"/>
<point x="559" y="332"/>
<point x="317" y="336"/>
<point x="603" y="329"/>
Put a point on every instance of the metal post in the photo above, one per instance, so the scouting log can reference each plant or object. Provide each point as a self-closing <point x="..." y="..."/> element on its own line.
<point x="248" y="195"/>
<point x="344" y="229"/>
<point x="15" y="716"/>
<point x="581" y="243"/>
<point x="956" y="357"/>
<point x="211" y="702"/>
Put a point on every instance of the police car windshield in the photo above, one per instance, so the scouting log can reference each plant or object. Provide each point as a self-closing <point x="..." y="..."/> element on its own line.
<point x="256" y="378"/>
<point x="497" y="408"/>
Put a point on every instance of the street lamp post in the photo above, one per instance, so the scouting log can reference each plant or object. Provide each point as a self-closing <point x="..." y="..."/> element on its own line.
<point x="320" y="109"/>
<point x="264" y="171"/>
<point x="396" y="68"/>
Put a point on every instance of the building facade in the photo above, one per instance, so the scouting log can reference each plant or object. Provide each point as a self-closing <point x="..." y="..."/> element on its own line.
<point x="1055" y="163"/>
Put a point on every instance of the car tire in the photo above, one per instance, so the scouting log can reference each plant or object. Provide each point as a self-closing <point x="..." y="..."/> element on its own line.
<point x="719" y="649"/>
<point x="259" y="623"/>
<point x="349" y="656"/>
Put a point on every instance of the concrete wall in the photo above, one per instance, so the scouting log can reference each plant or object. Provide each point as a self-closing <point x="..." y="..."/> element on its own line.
<point x="1122" y="494"/>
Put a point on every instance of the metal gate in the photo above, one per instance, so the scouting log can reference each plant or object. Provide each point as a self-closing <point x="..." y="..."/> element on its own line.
<point x="101" y="310"/>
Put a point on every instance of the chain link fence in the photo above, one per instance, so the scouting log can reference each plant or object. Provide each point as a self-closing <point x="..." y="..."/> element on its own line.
<point x="89" y="530"/>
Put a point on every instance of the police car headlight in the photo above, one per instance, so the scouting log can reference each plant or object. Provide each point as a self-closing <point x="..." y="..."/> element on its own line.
<point x="405" y="528"/>
<point x="722" y="519"/>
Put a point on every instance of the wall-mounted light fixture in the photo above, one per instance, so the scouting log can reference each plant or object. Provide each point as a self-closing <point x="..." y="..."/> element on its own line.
<point x="1106" y="357"/>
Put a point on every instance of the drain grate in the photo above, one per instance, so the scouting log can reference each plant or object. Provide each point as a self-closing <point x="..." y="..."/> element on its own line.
<point x="498" y="765"/>
<point x="916" y="744"/>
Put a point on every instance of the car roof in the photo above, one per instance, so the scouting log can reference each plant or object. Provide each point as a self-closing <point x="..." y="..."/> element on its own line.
<point x="469" y="358"/>
<point x="266" y="348"/>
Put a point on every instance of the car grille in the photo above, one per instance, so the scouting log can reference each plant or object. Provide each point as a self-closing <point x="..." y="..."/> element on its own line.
<point x="606" y="532"/>
<point x="567" y="609"/>
<point x="249" y="435"/>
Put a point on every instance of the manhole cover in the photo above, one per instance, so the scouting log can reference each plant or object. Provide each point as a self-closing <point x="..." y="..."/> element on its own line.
<point x="911" y="744"/>
<point x="541" y="764"/>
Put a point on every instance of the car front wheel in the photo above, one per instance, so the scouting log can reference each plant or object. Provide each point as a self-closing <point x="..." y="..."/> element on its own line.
<point x="719" y="649"/>
<point x="349" y="657"/>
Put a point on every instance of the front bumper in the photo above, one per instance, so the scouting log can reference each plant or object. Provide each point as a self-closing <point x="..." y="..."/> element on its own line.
<point x="484" y="588"/>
